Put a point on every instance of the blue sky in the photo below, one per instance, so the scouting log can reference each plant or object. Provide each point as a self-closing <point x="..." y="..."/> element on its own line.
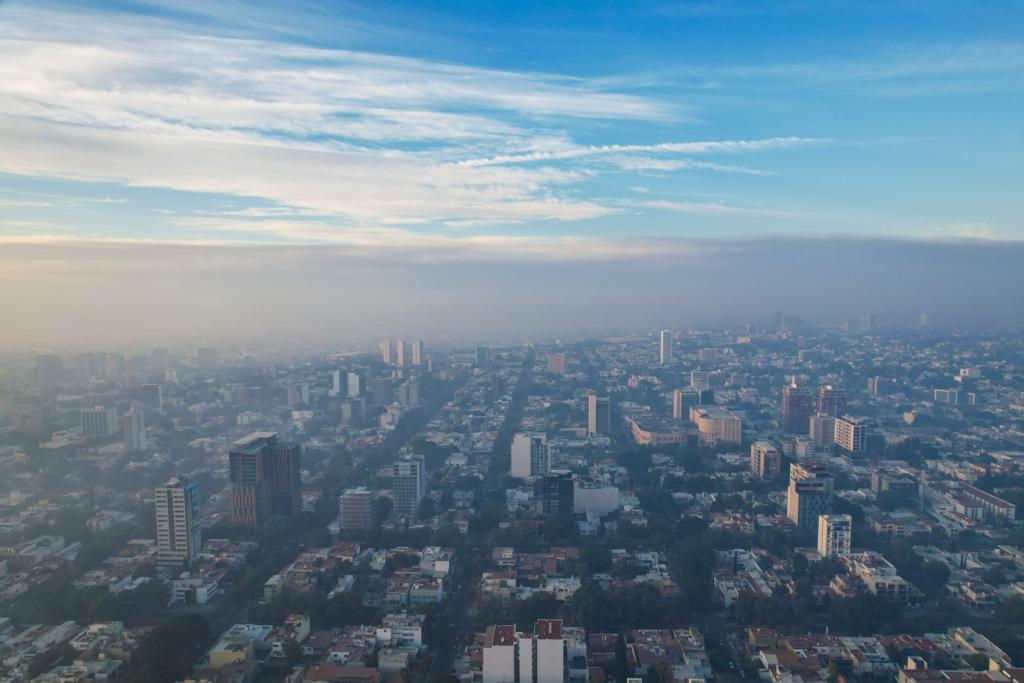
<point x="531" y="129"/>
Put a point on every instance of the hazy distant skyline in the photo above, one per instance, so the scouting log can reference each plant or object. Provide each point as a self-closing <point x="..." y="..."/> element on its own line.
<point x="493" y="147"/>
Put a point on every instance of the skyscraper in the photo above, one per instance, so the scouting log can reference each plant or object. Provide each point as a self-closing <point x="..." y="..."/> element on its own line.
<point x="153" y="396"/>
<point x="831" y="400"/>
<point x="835" y="535"/>
<point x="402" y="353"/>
<point x="265" y="479"/>
<point x="357" y="509"/>
<point x="352" y="384"/>
<point x="483" y="356"/>
<point x="178" y="535"/>
<point x="822" y="430"/>
<point x="409" y="394"/>
<point x="797" y="407"/>
<point x="765" y="461"/>
<point x="530" y="456"/>
<point x="665" y="350"/>
<point x="408" y="484"/>
<point x="682" y="401"/>
<point x="851" y="433"/>
<point x="335" y="389"/>
<point x="385" y="350"/>
<point x="417" y="352"/>
<point x="599" y="415"/>
<point x="99" y="421"/>
<point x="809" y="494"/>
<point x="133" y="430"/>
<point x="557" y="363"/>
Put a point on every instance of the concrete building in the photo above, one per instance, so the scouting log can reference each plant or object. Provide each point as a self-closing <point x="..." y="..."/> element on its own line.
<point x="408" y="484"/>
<point x="557" y="363"/>
<point x="716" y="425"/>
<point x="831" y="400"/>
<point x="822" y="430"/>
<point x="809" y="494"/>
<point x="682" y="401"/>
<point x="385" y="350"/>
<point x="178" y="536"/>
<point x="557" y="494"/>
<point x="835" y="535"/>
<point x="133" y="430"/>
<point x="666" y="353"/>
<point x="797" y="407"/>
<point x="99" y="421"/>
<point x="599" y="415"/>
<point x="538" y="657"/>
<point x="357" y="511"/>
<point x="851" y="433"/>
<point x="530" y="456"/>
<point x="765" y="460"/>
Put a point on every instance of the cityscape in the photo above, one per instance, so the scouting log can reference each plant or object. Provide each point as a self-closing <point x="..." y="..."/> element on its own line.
<point x="630" y="341"/>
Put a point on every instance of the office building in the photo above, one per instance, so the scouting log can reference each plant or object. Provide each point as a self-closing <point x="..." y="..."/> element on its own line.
<point x="665" y="350"/>
<point x="716" y="425"/>
<point x="809" y="495"/>
<point x="483" y="356"/>
<point x="822" y="430"/>
<point x="851" y="433"/>
<point x="99" y="421"/>
<point x="797" y="408"/>
<point x="765" y="460"/>
<point x="417" y="352"/>
<point x="48" y="370"/>
<point x="408" y="485"/>
<point x="878" y="386"/>
<point x="700" y="380"/>
<point x="530" y="456"/>
<point x="133" y="430"/>
<point x="599" y="415"/>
<point x="831" y="400"/>
<point x="265" y="479"/>
<point x="682" y="401"/>
<point x="178" y="534"/>
<point x="335" y="389"/>
<point x="708" y="355"/>
<point x="352" y="385"/>
<point x="835" y="533"/>
<point x="383" y="391"/>
<point x="557" y="494"/>
<point x="385" y="351"/>
<point x="409" y="394"/>
<point x="153" y="396"/>
<point x="207" y="357"/>
<point x="538" y="657"/>
<point x="557" y="363"/>
<point x="402" y="353"/>
<point x="358" y="511"/>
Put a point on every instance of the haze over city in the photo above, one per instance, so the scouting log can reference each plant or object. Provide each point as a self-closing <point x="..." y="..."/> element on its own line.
<point x="675" y="341"/>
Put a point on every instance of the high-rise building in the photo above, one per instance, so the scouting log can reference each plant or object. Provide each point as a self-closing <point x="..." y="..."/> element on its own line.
<point x="483" y="356"/>
<point x="557" y="363"/>
<point x="822" y="430"/>
<point x="159" y="359"/>
<point x="402" y="353"/>
<point x="599" y="415"/>
<point x="99" y="421"/>
<point x="538" y="657"/>
<point x="835" y="535"/>
<point x="178" y="534"/>
<point x="765" y="460"/>
<point x="797" y="408"/>
<point x="922" y="320"/>
<point x="133" y="430"/>
<point x="530" y="456"/>
<point x="665" y="349"/>
<point x="409" y="394"/>
<point x="809" y="494"/>
<point x="878" y="386"/>
<point x="153" y="396"/>
<point x="335" y="389"/>
<point x="831" y="400"/>
<point x="408" y="484"/>
<point x="352" y="384"/>
<point x="851" y="433"/>
<point x="265" y="479"/>
<point x="557" y="494"/>
<point x="48" y="370"/>
<point x="682" y="401"/>
<point x="868" y="322"/>
<point x="207" y="357"/>
<point x="385" y="351"/>
<point x="417" y="352"/>
<point x="90" y="366"/>
<point x="383" y="391"/>
<point x="357" y="509"/>
<point x="716" y="425"/>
